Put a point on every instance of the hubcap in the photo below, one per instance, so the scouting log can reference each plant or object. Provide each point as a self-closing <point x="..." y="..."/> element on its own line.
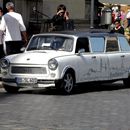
<point x="68" y="82"/>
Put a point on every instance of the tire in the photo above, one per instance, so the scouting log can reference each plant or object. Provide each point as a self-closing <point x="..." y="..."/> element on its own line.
<point x="66" y="85"/>
<point x="10" y="89"/>
<point x="126" y="82"/>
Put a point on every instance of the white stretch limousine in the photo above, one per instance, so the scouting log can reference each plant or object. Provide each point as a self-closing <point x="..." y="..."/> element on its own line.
<point x="64" y="59"/>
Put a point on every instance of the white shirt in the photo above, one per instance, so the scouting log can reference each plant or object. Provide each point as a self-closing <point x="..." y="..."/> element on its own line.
<point x="128" y="15"/>
<point x="12" y="23"/>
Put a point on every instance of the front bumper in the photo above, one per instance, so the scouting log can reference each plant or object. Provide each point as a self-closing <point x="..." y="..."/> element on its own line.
<point x="39" y="84"/>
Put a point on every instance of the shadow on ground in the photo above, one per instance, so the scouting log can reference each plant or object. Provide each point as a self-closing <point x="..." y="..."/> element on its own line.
<point x="79" y="89"/>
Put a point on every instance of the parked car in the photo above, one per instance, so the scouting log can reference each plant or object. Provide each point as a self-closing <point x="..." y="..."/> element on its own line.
<point x="64" y="59"/>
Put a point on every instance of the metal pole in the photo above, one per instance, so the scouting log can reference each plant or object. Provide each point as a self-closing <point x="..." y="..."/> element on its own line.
<point x="36" y="8"/>
<point x="92" y="14"/>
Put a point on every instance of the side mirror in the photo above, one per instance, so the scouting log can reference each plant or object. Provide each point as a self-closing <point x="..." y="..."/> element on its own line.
<point x="82" y="50"/>
<point x="22" y="49"/>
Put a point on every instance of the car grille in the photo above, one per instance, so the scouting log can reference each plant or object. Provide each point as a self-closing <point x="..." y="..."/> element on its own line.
<point x="28" y="70"/>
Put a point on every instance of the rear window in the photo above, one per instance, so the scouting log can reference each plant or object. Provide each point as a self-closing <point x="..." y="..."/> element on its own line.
<point x="124" y="45"/>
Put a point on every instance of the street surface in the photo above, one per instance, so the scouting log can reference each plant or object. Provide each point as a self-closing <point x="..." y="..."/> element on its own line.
<point x="97" y="107"/>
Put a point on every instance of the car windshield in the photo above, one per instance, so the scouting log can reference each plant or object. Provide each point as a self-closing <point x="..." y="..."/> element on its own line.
<point x="51" y="43"/>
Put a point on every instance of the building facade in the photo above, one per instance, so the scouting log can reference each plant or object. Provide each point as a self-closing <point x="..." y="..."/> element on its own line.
<point x="79" y="9"/>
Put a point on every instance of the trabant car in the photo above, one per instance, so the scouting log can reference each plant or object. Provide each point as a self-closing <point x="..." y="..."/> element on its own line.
<point x="64" y="59"/>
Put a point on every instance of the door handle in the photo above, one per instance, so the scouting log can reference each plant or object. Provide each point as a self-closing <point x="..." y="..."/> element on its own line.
<point x="123" y="56"/>
<point x="93" y="57"/>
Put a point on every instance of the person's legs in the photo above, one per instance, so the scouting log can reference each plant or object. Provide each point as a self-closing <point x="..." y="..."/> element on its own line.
<point x="1" y="51"/>
<point x="18" y="45"/>
<point x="13" y="47"/>
<point x="8" y="47"/>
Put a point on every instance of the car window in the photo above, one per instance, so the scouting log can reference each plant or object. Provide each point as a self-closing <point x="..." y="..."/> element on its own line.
<point x="51" y="43"/>
<point x="82" y="43"/>
<point x="112" y="44"/>
<point x="97" y="44"/>
<point x="124" y="45"/>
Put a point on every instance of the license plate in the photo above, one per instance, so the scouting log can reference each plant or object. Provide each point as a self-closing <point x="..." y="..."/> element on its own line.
<point x="26" y="80"/>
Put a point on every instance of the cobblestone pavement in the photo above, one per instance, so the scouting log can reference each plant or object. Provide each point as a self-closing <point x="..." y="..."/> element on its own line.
<point x="105" y="107"/>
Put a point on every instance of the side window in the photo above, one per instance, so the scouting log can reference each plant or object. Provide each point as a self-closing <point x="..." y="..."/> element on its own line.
<point x="112" y="44"/>
<point x="82" y="43"/>
<point x="97" y="44"/>
<point x="124" y="45"/>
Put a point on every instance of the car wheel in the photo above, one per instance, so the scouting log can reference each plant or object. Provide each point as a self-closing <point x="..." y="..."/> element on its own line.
<point x="126" y="82"/>
<point x="10" y="89"/>
<point x="67" y="83"/>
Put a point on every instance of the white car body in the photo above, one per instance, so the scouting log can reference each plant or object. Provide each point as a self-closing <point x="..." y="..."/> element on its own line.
<point x="101" y="57"/>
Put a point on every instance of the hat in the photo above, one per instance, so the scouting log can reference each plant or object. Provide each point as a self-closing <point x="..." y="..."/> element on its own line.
<point x="9" y="5"/>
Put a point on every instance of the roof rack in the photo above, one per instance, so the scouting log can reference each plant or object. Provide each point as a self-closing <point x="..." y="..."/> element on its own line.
<point x="99" y="30"/>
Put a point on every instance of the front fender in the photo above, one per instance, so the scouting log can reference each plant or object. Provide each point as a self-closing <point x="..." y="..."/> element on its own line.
<point x="65" y="70"/>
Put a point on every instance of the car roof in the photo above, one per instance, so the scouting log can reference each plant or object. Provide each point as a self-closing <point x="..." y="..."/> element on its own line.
<point x="89" y="32"/>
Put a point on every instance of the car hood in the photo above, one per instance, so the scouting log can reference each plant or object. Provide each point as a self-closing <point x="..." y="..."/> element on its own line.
<point x="35" y="57"/>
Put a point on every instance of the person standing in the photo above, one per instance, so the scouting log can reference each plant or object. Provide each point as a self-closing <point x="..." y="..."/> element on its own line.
<point x="128" y="18"/>
<point x="127" y="33"/>
<point x="15" y="30"/>
<point x="118" y="28"/>
<point x="1" y="36"/>
<point x="60" y="18"/>
<point x="1" y="13"/>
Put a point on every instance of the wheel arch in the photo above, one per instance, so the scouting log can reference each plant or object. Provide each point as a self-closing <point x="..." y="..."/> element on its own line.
<point x="71" y="70"/>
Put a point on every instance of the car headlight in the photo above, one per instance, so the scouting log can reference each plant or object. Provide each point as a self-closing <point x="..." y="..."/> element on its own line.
<point x="52" y="64"/>
<point x="4" y="63"/>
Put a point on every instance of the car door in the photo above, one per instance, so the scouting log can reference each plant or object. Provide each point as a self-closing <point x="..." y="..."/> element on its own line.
<point x="97" y="49"/>
<point x="89" y="63"/>
<point x="115" y="58"/>
<point x="125" y="51"/>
